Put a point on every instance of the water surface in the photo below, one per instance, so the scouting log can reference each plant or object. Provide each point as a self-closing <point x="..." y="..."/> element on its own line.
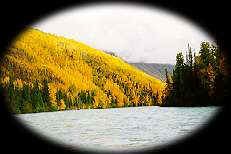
<point x="117" y="129"/>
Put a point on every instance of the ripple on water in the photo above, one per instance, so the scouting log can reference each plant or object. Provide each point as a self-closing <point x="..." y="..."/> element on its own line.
<point x="119" y="128"/>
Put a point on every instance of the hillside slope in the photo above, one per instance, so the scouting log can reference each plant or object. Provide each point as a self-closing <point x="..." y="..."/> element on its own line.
<point x="155" y="69"/>
<point x="44" y="72"/>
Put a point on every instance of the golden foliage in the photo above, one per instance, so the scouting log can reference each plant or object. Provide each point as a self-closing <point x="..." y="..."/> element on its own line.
<point x="18" y="84"/>
<point x="72" y="67"/>
<point x="5" y="80"/>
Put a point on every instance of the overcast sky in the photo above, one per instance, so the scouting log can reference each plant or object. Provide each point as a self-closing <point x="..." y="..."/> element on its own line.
<point x="136" y="33"/>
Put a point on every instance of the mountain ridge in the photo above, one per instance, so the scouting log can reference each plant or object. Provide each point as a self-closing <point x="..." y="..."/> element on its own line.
<point x="155" y="69"/>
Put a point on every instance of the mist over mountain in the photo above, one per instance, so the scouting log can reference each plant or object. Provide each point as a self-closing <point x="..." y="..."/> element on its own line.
<point x="155" y="69"/>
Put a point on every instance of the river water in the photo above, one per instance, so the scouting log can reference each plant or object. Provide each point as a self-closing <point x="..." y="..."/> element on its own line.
<point x="118" y="129"/>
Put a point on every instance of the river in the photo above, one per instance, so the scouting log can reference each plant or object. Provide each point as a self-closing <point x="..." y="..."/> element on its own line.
<point x="118" y="129"/>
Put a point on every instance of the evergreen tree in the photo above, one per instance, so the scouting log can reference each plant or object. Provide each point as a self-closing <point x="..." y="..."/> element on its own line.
<point x="199" y="81"/>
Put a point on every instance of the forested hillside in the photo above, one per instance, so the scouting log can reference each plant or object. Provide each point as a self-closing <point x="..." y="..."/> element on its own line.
<point x="43" y="72"/>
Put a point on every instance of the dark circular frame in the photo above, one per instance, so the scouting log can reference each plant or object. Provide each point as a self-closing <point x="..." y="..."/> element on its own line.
<point x="211" y="16"/>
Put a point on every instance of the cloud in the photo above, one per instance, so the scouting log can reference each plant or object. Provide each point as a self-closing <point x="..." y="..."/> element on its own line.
<point x="136" y="33"/>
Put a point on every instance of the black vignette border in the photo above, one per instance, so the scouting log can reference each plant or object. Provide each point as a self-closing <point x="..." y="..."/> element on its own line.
<point x="213" y="16"/>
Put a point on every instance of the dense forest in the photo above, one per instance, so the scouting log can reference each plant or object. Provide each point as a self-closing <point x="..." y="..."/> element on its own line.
<point x="198" y="80"/>
<point x="44" y="72"/>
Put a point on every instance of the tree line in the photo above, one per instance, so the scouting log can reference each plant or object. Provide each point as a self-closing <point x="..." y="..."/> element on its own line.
<point x="197" y="79"/>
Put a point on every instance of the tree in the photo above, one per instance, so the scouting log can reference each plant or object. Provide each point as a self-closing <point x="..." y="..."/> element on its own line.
<point x="204" y="54"/>
<point x="198" y="80"/>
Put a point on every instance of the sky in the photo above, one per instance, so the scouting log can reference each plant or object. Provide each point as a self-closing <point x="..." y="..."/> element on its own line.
<point x="134" y="32"/>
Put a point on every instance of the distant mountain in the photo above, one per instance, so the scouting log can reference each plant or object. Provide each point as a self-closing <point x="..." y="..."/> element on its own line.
<point x="110" y="53"/>
<point x="155" y="69"/>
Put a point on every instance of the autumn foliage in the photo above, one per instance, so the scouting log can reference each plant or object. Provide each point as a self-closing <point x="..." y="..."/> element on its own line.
<point x="199" y="80"/>
<point x="43" y="72"/>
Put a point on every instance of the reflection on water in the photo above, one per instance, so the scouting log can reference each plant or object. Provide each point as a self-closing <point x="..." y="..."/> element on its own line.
<point x="119" y="128"/>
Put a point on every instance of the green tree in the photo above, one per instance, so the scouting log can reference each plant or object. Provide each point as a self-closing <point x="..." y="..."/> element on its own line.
<point x="198" y="80"/>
